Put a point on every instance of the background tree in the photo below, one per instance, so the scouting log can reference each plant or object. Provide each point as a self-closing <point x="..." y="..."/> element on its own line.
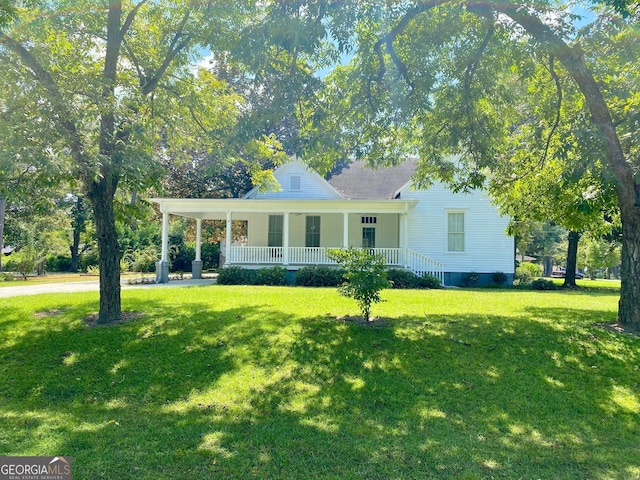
<point x="537" y="239"/>
<point x="598" y="253"/>
<point x="30" y="165"/>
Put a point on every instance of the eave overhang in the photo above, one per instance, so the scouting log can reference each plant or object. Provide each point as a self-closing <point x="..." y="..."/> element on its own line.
<point x="217" y="209"/>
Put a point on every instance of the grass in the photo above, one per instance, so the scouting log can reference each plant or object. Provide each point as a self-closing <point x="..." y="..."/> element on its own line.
<point x="263" y="382"/>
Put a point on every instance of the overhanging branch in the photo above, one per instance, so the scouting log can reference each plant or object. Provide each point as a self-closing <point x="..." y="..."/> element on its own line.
<point x="68" y="128"/>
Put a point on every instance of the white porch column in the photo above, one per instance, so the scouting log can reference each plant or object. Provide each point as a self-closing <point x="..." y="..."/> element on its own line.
<point x="345" y="230"/>
<point x="198" y="238"/>
<point x="164" y="257"/>
<point x="227" y="246"/>
<point x="404" y="237"/>
<point x="196" y="265"/>
<point x="162" y="267"/>
<point x="285" y="239"/>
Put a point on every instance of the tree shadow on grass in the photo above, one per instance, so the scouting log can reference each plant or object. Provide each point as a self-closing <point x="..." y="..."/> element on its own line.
<point x="254" y="392"/>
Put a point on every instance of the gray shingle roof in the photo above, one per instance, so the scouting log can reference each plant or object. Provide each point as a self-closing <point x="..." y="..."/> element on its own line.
<point x="357" y="181"/>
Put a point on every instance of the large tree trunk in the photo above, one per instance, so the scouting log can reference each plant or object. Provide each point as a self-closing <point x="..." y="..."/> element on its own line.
<point x="629" y="304"/>
<point x="3" y="207"/>
<point x="101" y="197"/>
<point x="572" y="260"/>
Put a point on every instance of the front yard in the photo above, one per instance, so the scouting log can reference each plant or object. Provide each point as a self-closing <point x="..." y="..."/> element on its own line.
<point x="266" y="382"/>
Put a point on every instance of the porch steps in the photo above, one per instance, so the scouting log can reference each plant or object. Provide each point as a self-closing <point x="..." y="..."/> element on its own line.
<point x="422" y="265"/>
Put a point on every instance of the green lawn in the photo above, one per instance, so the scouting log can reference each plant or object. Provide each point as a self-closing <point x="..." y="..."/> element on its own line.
<point x="262" y="382"/>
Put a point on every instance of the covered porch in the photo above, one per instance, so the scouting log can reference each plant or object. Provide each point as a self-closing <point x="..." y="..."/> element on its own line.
<point x="298" y="233"/>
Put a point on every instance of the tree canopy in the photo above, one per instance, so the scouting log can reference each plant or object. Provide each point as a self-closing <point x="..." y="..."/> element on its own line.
<point x="118" y="88"/>
<point x="488" y="93"/>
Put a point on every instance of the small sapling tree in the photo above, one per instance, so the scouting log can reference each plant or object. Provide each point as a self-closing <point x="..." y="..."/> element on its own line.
<point x="365" y="277"/>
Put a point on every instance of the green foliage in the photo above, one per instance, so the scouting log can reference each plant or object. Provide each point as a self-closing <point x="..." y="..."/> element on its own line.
<point x="6" y="277"/>
<point x="365" y="277"/>
<point x="26" y="261"/>
<point x="595" y="254"/>
<point x="430" y="281"/>
<point x="319" y="276"/>
<point x="536" y="238"/>
<point x="543" y="284"/>
<point x="271" y="276"/>
<point x="235" y="275"/>
<point x="527" y="272"/>
<point x="93" y="270"/>
<point x="402" y="278"/>
<point x="499" y="278"/>
<point x="141" y="259"/>
<point x="210" y="254"/>
<point x="58" y="263"/>
<point x="470" y="279"/>
<point x="88" y="261"/>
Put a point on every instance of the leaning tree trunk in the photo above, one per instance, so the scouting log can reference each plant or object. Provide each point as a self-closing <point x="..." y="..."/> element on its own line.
<point x="101" y="197"/>
<point x="572" y="260"/>
<point x="627" y="188"/>
<point x="3" y="206"/>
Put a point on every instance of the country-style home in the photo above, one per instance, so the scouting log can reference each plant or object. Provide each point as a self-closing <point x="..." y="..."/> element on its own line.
<point x="434" y="230"/>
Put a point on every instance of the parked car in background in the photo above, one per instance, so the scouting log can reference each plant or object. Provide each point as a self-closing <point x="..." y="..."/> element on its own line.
<point x="562" y="271"/>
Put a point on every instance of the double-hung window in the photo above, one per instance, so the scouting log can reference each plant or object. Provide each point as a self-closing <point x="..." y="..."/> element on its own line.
<point x="455" y="231"/>
<point x="275" y="230"/>
<point x="312" y="231"/>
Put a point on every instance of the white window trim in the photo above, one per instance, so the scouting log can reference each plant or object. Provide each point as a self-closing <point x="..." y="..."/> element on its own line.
<point x="291" y="177"/>
<point x="446" y="231"/>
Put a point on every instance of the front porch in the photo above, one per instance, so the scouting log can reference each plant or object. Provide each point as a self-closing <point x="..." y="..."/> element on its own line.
<point x="300" y="233"/>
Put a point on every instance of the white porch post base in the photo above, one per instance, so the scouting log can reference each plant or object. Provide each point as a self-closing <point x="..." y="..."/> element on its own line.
<point x="196" y="269"/>
<point x="162" y="271"/>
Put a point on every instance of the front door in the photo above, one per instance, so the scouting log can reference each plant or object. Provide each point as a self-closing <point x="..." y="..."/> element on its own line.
<point x="368" y="237"/>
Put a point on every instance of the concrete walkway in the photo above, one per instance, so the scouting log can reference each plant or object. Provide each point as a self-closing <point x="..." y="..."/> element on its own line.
<point x="90" y="286"/>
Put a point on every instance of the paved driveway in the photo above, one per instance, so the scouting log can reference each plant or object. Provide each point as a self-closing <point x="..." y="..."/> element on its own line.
<point x="90" y="286"/>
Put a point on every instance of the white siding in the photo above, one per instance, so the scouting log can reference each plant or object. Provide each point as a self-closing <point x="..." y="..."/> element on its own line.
<point x="487" y="247"/>
<point x="311" y="185"/>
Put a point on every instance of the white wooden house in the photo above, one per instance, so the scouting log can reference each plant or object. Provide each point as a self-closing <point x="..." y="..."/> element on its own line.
<point x="434" y="231"/>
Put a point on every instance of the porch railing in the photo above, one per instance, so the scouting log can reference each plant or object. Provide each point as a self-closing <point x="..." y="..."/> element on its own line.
<point x="420" y="265"/>
<point x="257" y="255"/>
<point x="298" y="255"/>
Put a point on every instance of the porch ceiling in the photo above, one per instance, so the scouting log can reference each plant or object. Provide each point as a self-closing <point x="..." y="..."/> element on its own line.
<point x="216" y="209"/>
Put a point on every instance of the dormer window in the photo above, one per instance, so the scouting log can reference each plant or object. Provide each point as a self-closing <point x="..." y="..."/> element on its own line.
<point x="294" y="183"/>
